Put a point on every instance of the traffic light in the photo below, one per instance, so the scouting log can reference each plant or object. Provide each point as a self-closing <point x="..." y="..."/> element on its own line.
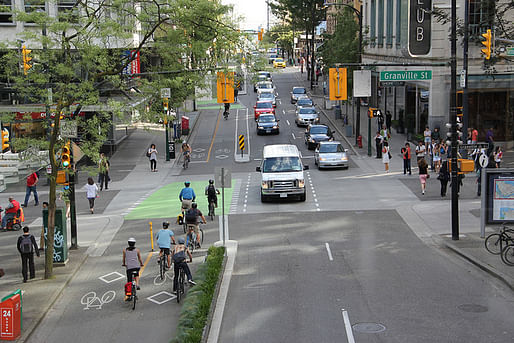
<point x="260" y="34"/>
<point x="454" y="130"/>
<point x="337" y="84"/>
<point x="487" y="44"/>
<point x="165" y="104"/>
<point x="26" y="59"/>
<point x="66" y="156"/>
<point x="5" y="140"/>
<point x="460" y="111"/>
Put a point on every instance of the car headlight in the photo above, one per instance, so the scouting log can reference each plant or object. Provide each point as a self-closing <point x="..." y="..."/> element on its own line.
<point x="301" y="183"/>
<point x="260" y="127"/>
<point x="275" y="126"/>
<point x="264" y="185"/>
<point x="311" y="139"/>
<point x="322" y="159"/>
<point x="316" y="120"/>
<point x="344" y="158"/>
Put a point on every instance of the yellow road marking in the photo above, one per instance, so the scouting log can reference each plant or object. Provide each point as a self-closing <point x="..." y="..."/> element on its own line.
<point x="146" y="262"/>
<point x="214" y="136"/>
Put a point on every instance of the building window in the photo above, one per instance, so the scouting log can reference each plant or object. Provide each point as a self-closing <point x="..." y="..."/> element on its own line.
<point x="6" y="11"/>
<point x="380" y="31"/>
<point x="481" y="16"/>
<point x="34" y="6"/>
<point x="373" y="23"/>
<point x="398" y="22"/>
<point x="67" y="11"/>
<point x="389" y="22"/>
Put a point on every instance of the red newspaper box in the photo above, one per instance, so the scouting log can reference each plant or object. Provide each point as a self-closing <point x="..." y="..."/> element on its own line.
<point x="10" y="317"/>
<point x="185" y="125"/>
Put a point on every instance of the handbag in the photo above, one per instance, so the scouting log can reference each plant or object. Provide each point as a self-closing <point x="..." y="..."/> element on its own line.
<point x="148" y="154"/>
<point x="428" y="176"/>
<point x="390" y="156"/>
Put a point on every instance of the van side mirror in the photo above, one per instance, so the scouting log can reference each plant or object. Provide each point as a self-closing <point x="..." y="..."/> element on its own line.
<point x="306" y="167"/>
<point x="258" y="169"/>
<point x="333" y="132"/>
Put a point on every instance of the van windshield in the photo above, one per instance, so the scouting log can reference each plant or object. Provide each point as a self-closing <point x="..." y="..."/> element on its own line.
<point x="281" y="164"/>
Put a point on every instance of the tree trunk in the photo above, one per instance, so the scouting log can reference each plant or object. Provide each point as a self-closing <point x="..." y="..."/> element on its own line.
<point x="308" y="52"/>
<point x="313" y="52"/>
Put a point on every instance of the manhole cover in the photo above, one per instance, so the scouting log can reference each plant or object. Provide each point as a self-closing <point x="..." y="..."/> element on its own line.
<point x="368" y="327"/>
<point x="472" y="308"/>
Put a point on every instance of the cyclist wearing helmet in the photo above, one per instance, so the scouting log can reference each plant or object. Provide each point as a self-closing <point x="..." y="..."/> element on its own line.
<point x="132" y="260"/>
<point x="187" y="196"/>
<point x="212" y="194"/>
<point x="164" y="238"/>
<point x="179" y="261"/>
<point x="192" y="220"/>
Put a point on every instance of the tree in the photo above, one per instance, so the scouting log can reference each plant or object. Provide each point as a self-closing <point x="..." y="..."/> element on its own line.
<point x="81" y="53"/>
<point x="343" y="45"/>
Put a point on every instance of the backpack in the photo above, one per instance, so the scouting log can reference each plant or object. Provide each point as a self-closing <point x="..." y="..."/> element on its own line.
<point x="26" y="244"/>
<point x="179" y="256"/>
<point x="191" y="215"/>
<point x="211" y="191"/>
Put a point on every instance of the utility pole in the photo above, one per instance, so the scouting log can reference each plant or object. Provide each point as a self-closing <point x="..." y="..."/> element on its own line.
<point x="453" y="121"/>
<point x="465" y="108"/>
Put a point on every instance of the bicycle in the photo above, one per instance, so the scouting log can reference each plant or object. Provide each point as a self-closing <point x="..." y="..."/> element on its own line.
<point x="495" y="242"/>
<point x="181" y="288"/>
<point x="133" y="296"/>
<point x="187" y="159"/>
<point x="507" y="254"/>
<point x="211" y="209"/>
<point x="191" y="240"/>
<point x="162" y="265"/>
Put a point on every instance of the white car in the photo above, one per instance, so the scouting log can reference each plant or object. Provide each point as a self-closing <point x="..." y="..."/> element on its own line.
<point x="264" y="95"/>
<point x="306" y="116"/>
<point x="265" y="86"/>
<point x="331" y="155"/>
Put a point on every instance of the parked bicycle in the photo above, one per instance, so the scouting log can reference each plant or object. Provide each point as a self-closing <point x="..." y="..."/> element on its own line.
<point x="507" y="254"/>
<point x="495" y="242"/>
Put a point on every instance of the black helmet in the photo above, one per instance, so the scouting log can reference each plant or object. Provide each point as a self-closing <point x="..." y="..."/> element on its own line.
<point x="187" y="183"/>
<point x="165" y="224"/>
<point x="181" y="240"/>
<point x="211" y="182"/>
<point x="194" y="205"/>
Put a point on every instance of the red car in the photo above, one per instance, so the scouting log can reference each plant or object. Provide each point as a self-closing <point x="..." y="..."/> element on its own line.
<point x="263" y="107"/>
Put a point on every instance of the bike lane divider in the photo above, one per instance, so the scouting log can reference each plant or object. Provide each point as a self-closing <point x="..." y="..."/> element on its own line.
<point x="313" y="190"/>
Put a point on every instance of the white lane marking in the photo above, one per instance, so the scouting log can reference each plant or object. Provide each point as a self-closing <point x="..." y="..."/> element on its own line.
<point x="284" y="112"/>
<point x="348" y="326"/>
<point x="247" y="133"/>
<point x="329" y="252"/>
<point x="292" y="133"/>
<point x="288" y="123"/>
<point x="235" y="134"/>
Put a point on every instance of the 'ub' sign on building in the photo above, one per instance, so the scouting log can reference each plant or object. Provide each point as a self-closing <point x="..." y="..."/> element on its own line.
<point x="420" y="27"/>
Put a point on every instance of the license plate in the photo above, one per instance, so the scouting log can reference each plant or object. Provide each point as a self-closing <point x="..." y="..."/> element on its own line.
<point x="283" y="195"/>
<point x="268" y="131"/>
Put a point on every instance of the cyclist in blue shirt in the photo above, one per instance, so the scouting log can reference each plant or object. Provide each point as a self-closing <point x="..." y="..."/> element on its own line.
<point x="164" y="238"/>
<point x="187" y="196"/>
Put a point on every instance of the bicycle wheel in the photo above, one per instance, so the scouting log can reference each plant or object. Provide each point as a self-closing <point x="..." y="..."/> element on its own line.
<point x="180" y="285"/>
<point x="184" y="224"/>
<point x="191" y="241"/>
<point x="211" y="210"/>
<point x="16" y="226"/>
<point x="201" y="236"/>
<point x="162" y="267"/>
<point x="134" y="296"/>
<point x="507" y="255"/>
<point x="493" y="243"/>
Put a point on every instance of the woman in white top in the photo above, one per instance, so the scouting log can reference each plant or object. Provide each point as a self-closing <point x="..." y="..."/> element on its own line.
<point x="152" y="152"/>
<point x="91" y="192"/>
<point x="385" y="156"/>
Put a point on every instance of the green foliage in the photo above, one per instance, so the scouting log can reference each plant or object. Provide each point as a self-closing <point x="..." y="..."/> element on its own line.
<point x="343" y="45"/>
<point x="197" y="303"/>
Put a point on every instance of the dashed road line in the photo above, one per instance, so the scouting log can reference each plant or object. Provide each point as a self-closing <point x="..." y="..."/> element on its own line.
<point x="287" y="121"/>
<point x="292" y="134"/>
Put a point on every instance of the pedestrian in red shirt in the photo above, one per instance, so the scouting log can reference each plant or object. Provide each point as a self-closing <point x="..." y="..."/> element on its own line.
<point x="32" y="180"/>
<point x="406" y="153"/>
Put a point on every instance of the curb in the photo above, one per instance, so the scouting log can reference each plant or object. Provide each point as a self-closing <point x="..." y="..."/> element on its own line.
<point x="42" y="314"/>
<point x="485" y="267"/>
<point x="334" y="125"/>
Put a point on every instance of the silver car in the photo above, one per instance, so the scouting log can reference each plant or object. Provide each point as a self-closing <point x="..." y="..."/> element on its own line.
<point x="304" y="101"/>
<point x="331" y="155"/>
<point x="267" y="96"/>
<point x="306" y="116"/>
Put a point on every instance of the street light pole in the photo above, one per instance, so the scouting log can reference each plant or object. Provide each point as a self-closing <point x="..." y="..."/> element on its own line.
<point x="453" y="120"/>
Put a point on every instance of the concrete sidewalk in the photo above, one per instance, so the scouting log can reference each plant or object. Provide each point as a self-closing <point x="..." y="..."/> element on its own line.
<point x="95" y="231"/>
<point x="432" y="215"/>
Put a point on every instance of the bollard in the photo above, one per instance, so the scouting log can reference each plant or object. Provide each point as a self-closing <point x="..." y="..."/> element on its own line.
<point x="151" y="234"/>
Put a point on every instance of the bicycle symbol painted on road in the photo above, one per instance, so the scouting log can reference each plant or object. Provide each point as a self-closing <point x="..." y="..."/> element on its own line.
<point x="91" y="300"/>
<point x="157" y="280"/>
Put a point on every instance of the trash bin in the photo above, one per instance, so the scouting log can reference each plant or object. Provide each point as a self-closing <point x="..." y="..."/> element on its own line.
<point x="348" y="130"/>
<point x="10" y="316"/>
<point x="185" y="125"/>
<point x="338" y="112"/>
<point x="328" y="104"/>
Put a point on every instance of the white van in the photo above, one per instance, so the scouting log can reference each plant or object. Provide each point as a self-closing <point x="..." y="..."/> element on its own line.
<point x="282" y="172"/>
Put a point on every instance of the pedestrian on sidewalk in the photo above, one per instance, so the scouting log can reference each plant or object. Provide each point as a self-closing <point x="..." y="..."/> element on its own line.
<point x="302" y="61"/>
<point x="406" y="153"/>
<point x="474" y="136"/>
<point x="498" y="154"/>
<point x="103" y="171"/>
<point x="436" y="135"/>
<point x="91" y="193"/>
<point x="26" y="246"/>
<point x="427" y="134"/>
<point x="444" y="177"/>
<point x="489" y="138"/>
<point x="436" y="157"/>
<point x="420" y="151"/>
<point x="423" y="174"/>
<point x="385" y="133"/>
<point x="386" y="155"/>
<point x="32" y="180"/>
<point x="152" y="155"/>
<point x="378" y="142"/>
<point x="389" y="118"/>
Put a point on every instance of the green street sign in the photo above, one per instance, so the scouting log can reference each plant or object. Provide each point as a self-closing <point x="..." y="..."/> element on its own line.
<point x="406" y="75"/>
<point x="510" y="51"/>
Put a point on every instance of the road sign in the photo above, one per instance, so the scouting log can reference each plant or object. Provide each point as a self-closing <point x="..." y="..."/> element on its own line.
<point x="337" y="84"/>
<point x="165" y="93"/>
<point x="392" y="83"/>
<point x="406" y="75"/>
<point x="483" y="160"/>
<point x="242" y="142"/>
<point x="223" y="180"/>
<point x="361" y="83"/>
<point x="510" y="51"/>
<point x="225" y="87"/>
<point x="68" y="128"/>
<point x="171" y="149"/>
<point x="474" y="146"/>
<point x="463" y="78"/>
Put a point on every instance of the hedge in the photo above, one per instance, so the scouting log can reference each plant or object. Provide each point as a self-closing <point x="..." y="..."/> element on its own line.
<point x="197" y="303"/>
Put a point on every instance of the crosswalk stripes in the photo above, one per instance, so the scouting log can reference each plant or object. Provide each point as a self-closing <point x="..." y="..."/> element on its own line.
<point x="235" y="196"/>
